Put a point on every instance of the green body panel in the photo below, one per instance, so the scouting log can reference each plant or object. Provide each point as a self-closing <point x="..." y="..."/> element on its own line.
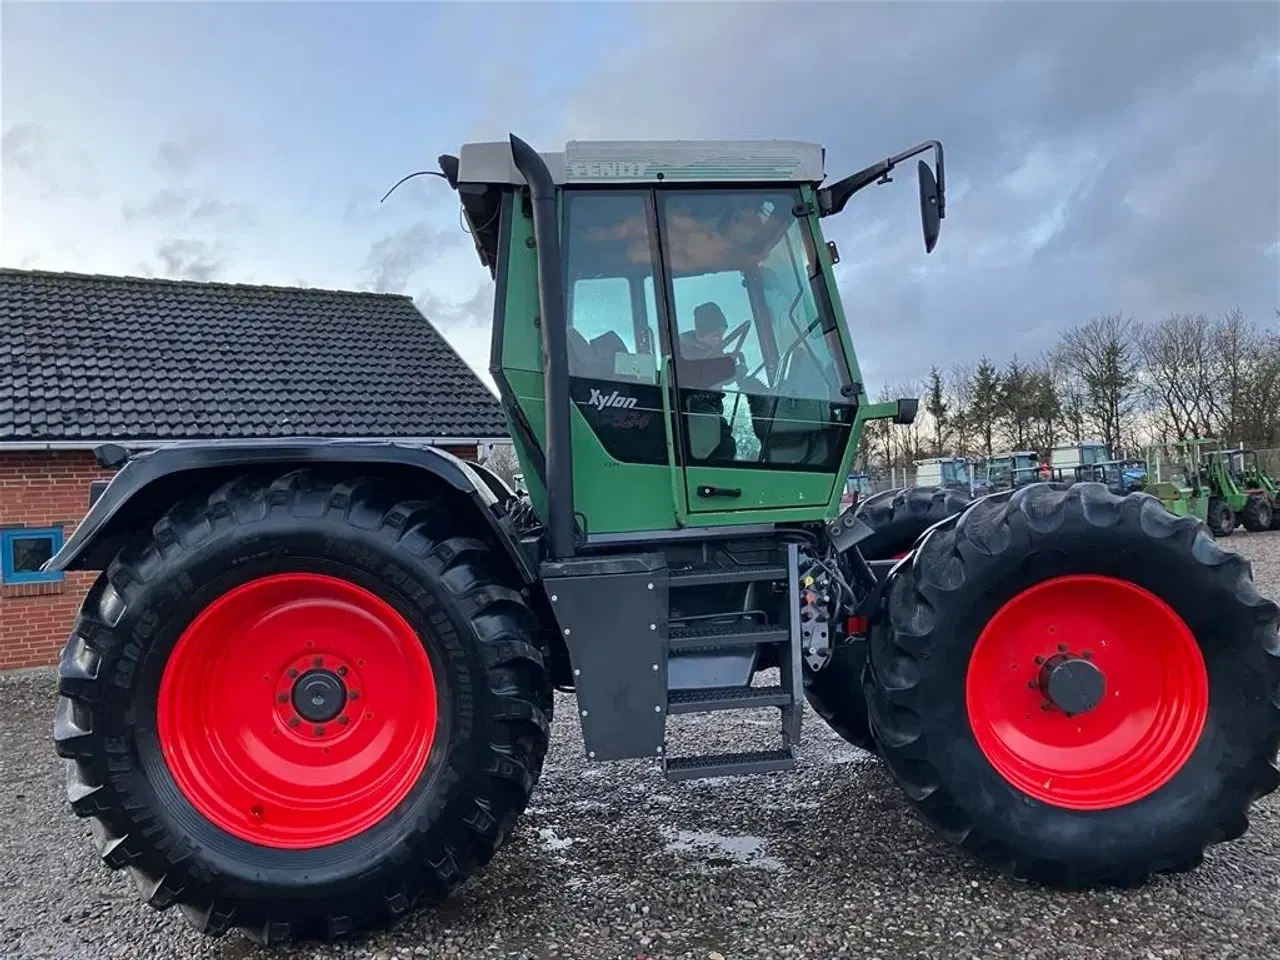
<point x="1170" y="470"/>
<point x="1221" y="481"/>
<point x="613" y="496"/>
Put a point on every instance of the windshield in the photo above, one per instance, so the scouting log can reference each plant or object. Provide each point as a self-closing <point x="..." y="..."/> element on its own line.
<point x="1093" y="454"/>
<point x="955" y="472"/>
<point x="745" y="282"/>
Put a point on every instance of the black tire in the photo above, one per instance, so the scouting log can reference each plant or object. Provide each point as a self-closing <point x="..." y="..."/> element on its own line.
<point x="1220" y="517"/>
<point x="422" y="558"/>
<point x="938" y="606"/>
<point x="1257" y="514"/>
<point x="898" y="518"/>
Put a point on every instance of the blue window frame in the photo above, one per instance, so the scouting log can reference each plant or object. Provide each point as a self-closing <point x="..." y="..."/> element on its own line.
<point x="24" y="549"/>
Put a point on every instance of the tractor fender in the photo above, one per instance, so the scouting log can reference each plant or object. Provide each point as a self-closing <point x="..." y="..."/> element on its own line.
<point x="150" y="481"/>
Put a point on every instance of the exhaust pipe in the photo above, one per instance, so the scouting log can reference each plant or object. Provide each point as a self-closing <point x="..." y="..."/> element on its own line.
<point x="555" y="347"/>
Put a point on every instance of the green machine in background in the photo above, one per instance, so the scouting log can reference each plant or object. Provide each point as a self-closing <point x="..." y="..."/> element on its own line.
<point x="1251" y="501"/>
<point x="1179" y="475"/>
<point x="313" y="683"/>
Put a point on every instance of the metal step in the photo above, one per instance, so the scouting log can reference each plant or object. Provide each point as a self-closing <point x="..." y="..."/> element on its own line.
<point x="720" y="635"/>
<point x="726" y="698"/>
<point x="729" y="764"/>
<point x="700" y="576"/>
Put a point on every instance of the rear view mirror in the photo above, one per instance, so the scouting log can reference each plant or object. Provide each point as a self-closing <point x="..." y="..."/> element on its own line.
<point x="930" y="212"/>
<point x="907" y="408"/>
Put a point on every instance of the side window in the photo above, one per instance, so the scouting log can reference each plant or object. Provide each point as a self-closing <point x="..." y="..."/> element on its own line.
<point x="23" y="551"/>
<point x="613" y="370"/>
<point x="609" y="260"/>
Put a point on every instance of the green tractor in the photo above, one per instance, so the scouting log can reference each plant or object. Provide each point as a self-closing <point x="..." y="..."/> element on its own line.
<point x="1235" y="476"/>
<point x="1178" y="475"/>
<point x="312" y="685"/>
<point x="1245" y="463"/>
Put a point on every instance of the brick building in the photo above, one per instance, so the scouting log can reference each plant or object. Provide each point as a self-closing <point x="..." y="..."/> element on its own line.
<point x="86" y="360"/>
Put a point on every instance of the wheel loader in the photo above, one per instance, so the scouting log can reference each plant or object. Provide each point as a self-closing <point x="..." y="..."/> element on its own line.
<point x="312" y="685"/>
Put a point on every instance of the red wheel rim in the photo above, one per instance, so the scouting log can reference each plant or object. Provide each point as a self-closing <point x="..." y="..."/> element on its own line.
<point x="246" y="714"/>
<point x="1150" y="707"/>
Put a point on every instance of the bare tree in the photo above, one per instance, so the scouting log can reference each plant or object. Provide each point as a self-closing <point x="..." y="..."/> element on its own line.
<point x="960" y="399"/>
<point x="1103" y="354"/>
<point x="1178" y="375"/>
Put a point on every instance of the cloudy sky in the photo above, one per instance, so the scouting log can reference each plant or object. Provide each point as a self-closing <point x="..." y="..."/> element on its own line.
<point x="1101" y="156"/>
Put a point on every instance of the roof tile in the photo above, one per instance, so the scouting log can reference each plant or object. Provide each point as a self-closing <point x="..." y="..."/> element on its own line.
<point x="127" y="358"/>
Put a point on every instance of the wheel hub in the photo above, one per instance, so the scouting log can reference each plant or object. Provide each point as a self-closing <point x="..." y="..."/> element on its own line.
<point x="319" y="696"/>
<point x="336" y="733"/>
<point x="1072" y="684"/>
<point x="1096" y="723"/>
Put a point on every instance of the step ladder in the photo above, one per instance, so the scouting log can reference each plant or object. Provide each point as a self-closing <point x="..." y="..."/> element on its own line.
<point x="705" y="651"/>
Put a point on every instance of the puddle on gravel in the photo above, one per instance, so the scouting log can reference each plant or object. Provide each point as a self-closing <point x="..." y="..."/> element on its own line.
<point x="744" y="850"/>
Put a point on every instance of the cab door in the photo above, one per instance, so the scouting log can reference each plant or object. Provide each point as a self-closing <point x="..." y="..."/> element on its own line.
<point x="622" y="459"/>
<point x="763" y="400"/>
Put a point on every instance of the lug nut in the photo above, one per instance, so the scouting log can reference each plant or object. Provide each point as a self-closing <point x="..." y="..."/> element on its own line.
<point x="354" y="694"/>
<point x="342" y="671"/>
<point x="1062" y="648"/>
<point x="283" y="698"/>
<point x="318" y="730"/>
<point x="317" y="661"/>
<point x="294" y="721"/>
<point x="291" y="672"/>
<point x="344" y="719"/>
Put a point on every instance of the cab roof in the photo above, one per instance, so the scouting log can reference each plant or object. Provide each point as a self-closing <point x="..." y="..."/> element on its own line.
<point x="483" y="172"/>
<point x="650" y="161"/>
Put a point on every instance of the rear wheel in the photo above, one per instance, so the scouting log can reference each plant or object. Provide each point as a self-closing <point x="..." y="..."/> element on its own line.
<point x="300" y="707"/>
<point x="1257" y="514"/>
<point x="1220" y="517"/>
<point x="1078" y="689"/>
<point x="898" y="517"/>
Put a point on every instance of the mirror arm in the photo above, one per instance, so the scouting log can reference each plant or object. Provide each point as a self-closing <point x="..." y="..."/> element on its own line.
<point x="832" y="199"/>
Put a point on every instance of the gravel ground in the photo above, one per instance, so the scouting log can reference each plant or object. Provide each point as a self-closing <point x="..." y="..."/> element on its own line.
<point x="613" y="862"/>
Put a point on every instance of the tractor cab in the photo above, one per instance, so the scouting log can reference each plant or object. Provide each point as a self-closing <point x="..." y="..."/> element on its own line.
<point x="953" y="473"/>
<point x="1005" y="471"/>
<point x="1085" y="460"/>
<point x="708" y="373"/>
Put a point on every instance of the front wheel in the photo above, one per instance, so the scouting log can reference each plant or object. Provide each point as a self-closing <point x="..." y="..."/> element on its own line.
<point x="898" y="518"/>
<point x="1077" y="688"/>
<point x="300" y="707"/>
<point x="1257" y="513"/>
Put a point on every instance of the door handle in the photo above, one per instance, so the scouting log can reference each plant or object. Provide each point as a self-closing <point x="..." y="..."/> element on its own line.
<point x="706" y="490"/>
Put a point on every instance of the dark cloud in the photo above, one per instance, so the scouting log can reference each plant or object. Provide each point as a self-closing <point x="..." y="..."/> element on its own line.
<point x="1101" y="157"/>
<point x="188" y="259"/>
<point x="473" y="314"/>
<point x="396" y="257"/>
<point x="195" y="147"/>
<point x="186" y="207"/>
<point x="197" y="224"/>
<point x="37" y="154"/>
